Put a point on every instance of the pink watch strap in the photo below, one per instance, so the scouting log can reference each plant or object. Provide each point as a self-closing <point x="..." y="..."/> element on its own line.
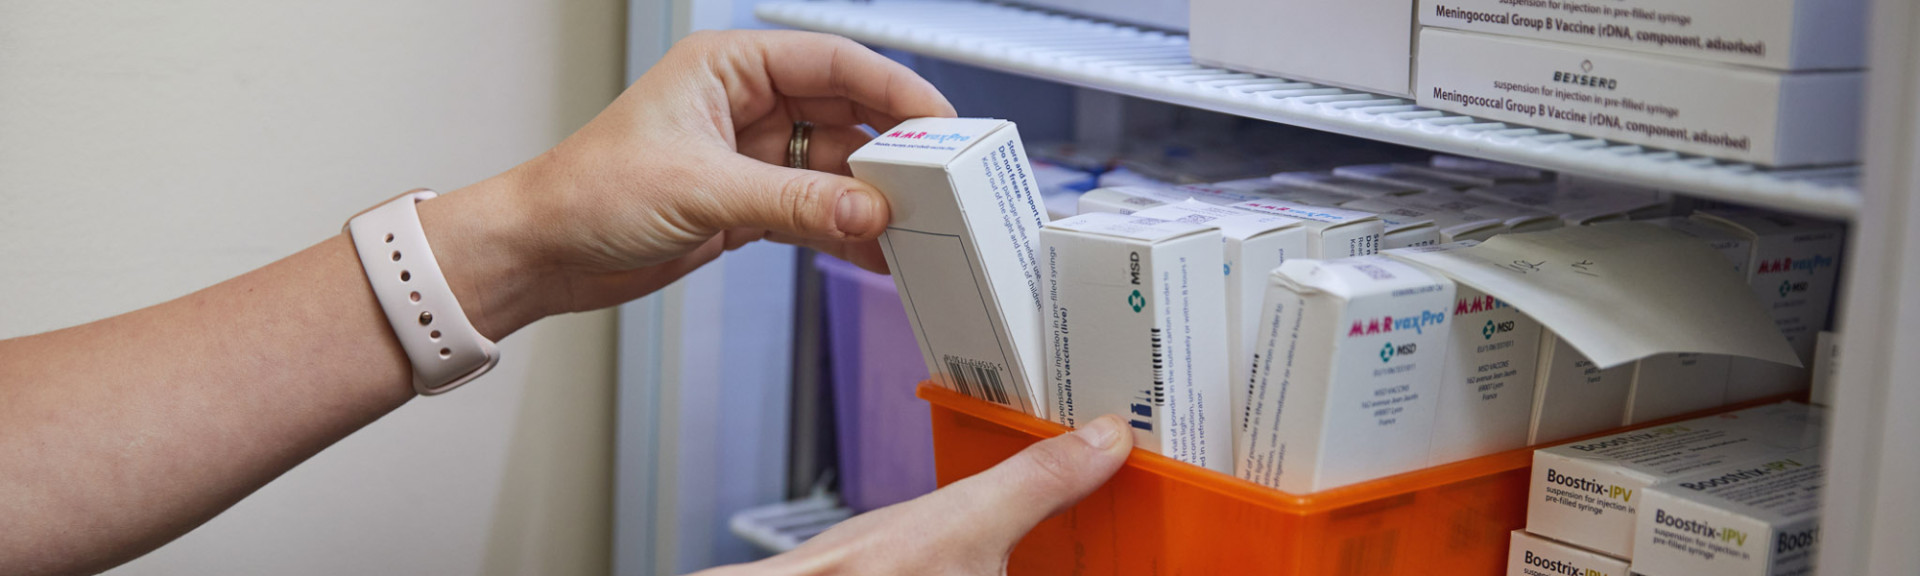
<point x="445" y="349"/>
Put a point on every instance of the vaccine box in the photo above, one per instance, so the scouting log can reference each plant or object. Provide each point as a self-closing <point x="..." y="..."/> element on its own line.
<point x="1774" y="34"/>
<point x="1792" y="269"/>
<point x="1673" y="384"/>
<point x="1123" y="199"/>
<point x="1402" y="232"/>
<point x="963" y="247"/>
<point x="1346" y="373"/>
<point x="1826" y="367"/>
<point x="1415" y="176"/>
<point x="1530" y="555"/>
<point x="1587" y="493"/>
<point x="1487" y="381"/>
<point x="1513" y="218"/>
<point x="1449" y="226"/>
<point x="1331" y="232"/>
<point x="1579" y="204"/>
<point x="1779" y="119"/>
<point x="1347" y="186"/>
<point x="1291" y="40"/>
<point x="1573" y="397"/>
<point x="1136" y="326"/>
<point x="1758" y="518"/>
<point x="1497" y="172"/>
<point x="1254" y="245"/>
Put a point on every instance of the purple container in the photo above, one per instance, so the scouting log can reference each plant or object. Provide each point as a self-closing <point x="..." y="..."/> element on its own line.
<point x="885" y="434"/>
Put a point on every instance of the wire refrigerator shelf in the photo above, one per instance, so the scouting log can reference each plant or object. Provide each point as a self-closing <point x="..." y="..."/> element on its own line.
<point x="1155" y="65"/>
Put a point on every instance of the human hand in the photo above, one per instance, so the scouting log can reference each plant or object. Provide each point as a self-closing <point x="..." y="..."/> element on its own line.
<point x="968" y="527"/>
<point x="687" y="163"/>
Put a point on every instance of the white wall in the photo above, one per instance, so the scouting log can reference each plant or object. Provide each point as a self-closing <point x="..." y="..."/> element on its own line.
<point x="148" y="149"/>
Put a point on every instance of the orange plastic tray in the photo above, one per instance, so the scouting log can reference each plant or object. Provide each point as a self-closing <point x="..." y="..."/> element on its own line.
<point x="1162" y="516"/>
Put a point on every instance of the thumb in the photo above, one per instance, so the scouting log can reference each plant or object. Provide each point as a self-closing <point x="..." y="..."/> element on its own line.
<point x="804" y="204"/>
<point x="1003" y="503"/>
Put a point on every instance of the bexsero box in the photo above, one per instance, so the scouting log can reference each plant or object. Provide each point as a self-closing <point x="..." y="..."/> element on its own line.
<point x="963" y="247"/>
<point x="1530" y="555"/>
<point x="1487" y="381"/>
<point x="1136" y="326"/>
<point x="1346" y="373"/>
<point x="1586" y="493"/>
<point x="1775" y="34"/>
<point x="1290" y="40"/>
<point x="1572" y="396"/>
<point x="1673" y="384"/>
<point x="1254" y="244"/>
<point x="1777" y="119"/>
<point x="1792" y="270"/>
<point x="1757" y="518"/>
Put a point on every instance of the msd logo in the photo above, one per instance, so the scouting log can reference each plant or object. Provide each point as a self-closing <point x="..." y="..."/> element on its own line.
<point x="940" y="138"/>
<point x="1808" y="265"/>
<point x="1388" y="324"/>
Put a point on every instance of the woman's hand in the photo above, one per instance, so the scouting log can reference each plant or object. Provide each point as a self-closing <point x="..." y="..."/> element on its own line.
<point x="687" y="163"/>
<point x="968" y="527"/>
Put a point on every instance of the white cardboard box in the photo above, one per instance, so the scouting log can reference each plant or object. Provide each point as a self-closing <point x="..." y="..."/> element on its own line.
<point x="1776" y="34"/>
<point x="1759" y="518"/>
<point x="1343" y="185"/>
<point x="1793" y="268"/>
<point x="1674" y="384"/>
<point x="1513" y="218"/>
<point x="1587" y="493"/>
<point x="1136" y="326"/>
<point x="1450" y="226"/>
<point x="1776" y="119"/>
<point x="1360" y="44"/>
<point x="1578" y="201"/>
<point x="1571" y="396"/>
<point x="1531" y="555"/>
<point x="1254" y="245"/>
<point x="1487" y="382"/>
<point x="963" y="249"/>
<point x="1427" y="179"/>
<point x="1346" y="373"/>
<point x="1331" y="232"/>
<point x="1497" y="172"/>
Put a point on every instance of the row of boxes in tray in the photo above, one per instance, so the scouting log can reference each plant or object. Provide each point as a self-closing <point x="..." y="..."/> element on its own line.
<point x="1735" y="494"/>
<point x="1002" y="302"/>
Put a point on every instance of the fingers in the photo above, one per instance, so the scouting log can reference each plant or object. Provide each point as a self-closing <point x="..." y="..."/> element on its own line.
<point x="811" y="65"/>
<point x="827" y="149"/>
<point x="1005" y="502"/>
<point x="796" y="204"/>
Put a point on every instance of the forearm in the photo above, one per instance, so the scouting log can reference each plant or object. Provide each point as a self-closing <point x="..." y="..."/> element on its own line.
<point x="119" y="435"/>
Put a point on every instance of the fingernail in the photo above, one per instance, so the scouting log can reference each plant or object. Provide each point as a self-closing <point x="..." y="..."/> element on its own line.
<point x="856" y="215"/>
<point x="1102" y="433"/>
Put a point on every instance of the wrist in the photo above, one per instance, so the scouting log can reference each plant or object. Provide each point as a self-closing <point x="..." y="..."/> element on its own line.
<point x="483" y="243"/>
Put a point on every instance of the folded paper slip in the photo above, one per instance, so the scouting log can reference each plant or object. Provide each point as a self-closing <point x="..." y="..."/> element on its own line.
<point x="1619" y="292"/>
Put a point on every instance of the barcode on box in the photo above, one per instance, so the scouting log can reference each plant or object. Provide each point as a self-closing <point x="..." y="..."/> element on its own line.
<point x="978" y="380"/>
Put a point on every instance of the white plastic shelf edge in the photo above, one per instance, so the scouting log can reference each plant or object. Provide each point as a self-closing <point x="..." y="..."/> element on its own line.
<point x="1155" y="65"/>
